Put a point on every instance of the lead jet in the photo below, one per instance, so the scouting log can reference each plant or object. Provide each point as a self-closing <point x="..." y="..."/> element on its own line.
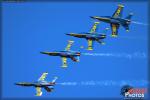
<point x="67" y="53"/>
<point x="90" y="36"/>
<point x="39" y="84"/>
<point x="116" y="20"/>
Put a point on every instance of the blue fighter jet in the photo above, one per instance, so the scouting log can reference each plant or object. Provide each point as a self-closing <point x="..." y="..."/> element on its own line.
<point x="41" y="83"/>
<point x="91" y="36"/>
<point x="116" y="20"/>
<point x="67" y="53"/>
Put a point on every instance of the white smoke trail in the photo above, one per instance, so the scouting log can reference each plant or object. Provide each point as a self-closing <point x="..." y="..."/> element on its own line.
<point x="68" y="83"/>
<point x="139" y="23"/>
<point x="107" y="83"/>
<point x="132" y="38"/>
<point x="119" y="55"/>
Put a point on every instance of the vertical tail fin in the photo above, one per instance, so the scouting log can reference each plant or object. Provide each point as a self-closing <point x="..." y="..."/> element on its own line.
<point x="126" y="26"/>
<point x="129" y="16"/>
<point x="54" y="80"/>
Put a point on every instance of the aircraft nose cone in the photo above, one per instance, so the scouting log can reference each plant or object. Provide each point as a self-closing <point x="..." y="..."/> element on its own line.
<point x="92" y="17"/>
<point x="18" y="84"/>
<point x="95" y="17"/>
<point x="68" y="34"/>
<point x="43" y="52"/>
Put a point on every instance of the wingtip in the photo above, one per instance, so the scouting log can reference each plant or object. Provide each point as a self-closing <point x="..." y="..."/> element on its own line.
<point x="114" y="36"/>
<point x="90" y="49"/>
<point x="70" y="41"/>
<point x="64" y="67"/>
<point x="103" y="43"/>
<point x="56" y="77"/>
<point x="120" y="5"/>
<point x="38" y="95"/>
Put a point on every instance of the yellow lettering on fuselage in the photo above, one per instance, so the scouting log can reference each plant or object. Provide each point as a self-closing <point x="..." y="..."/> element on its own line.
<point x="118" y="11"/>
<point x="90" y="43"/>
<point x="64" y="61"/>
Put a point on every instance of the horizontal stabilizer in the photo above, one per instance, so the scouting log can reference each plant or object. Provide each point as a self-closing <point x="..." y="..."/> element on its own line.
<point x="48" y="89"/>
<point x="74" y="59"/>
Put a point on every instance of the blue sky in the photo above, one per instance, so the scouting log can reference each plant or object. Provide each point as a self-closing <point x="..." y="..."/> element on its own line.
<point x="31" y="27"/>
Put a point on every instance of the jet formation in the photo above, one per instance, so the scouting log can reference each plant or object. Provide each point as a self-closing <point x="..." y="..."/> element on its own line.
<point x="93" y="35"/>
<point x="39" y="84"/>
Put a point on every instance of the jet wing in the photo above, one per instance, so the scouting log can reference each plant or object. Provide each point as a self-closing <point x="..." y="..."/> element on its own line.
<point x="69" y="45"/>
<point x="74" y="59"/>
<point x="114" y="28"/>
<point x="64" y="62"/>
<point x="94" y="27"/>
<point x="118" y="12"/>
<point x="42" y="78"/>
<point x="90" y="44"/>
<point x="48" y="89"/>
<point x="38" y="91"/>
